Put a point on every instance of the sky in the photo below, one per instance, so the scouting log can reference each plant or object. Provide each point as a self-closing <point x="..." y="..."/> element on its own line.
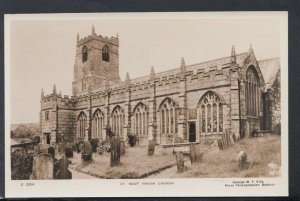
<point x="42" y="47"/>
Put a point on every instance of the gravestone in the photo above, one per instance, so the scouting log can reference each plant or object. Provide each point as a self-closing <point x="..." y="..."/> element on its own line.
<point x="233" y="137"/>
<point x="122" y="147"/>
<point x="180" y="161"/>
<point x="69" y="150"/>
<point x="115" y="151"/>
<point x="61" y="148"/>
<point x="51" y="152"/>
<point x="87" y="151"/>
<point x="151" y="147"/>
<point x="247" y="129"/>
<point x="36" y="149"/>
<point x="37" y="139"/>
<point x="220" y="144"/>
<point x="242" y="160"/>
<point x="42" y="167"/>
<point x="195" y="154"/>
<point x="62" y="171"/>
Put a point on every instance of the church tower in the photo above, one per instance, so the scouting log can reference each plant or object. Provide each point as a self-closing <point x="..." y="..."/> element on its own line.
<point x="97" y="60"/>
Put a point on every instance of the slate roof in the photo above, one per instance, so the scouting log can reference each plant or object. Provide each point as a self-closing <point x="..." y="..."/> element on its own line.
<point x="269" y="68"/>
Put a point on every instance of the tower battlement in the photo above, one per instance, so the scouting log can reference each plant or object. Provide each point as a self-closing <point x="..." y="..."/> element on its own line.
<point x="112" y="39"/>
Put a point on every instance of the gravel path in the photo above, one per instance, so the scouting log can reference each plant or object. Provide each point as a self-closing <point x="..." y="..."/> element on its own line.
<point x="79" y="175"/>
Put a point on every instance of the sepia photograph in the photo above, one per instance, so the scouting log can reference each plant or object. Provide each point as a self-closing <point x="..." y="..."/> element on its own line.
<point x="146" y="101"/>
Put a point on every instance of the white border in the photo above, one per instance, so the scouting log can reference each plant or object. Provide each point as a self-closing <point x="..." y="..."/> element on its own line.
<point x="181" y="187"/>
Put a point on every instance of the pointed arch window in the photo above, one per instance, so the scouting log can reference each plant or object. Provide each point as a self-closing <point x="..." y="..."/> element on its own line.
<point x="105" y="54"/>
<point x="98" y="124"/>
<point x="118" y="120"/>
<point x="168" y="117"/>
<point x="140" y="120"/>
<point x="211" y="113"/>
<point x="251" y="92"/>
<point x="81" y="124"/>
<point x="84" y="52"/>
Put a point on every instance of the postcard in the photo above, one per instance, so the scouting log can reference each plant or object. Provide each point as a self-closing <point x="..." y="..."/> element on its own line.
<point x="146" y="104"/>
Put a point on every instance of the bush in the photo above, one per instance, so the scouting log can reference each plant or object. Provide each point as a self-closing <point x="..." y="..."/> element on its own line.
<point x="94" y="143"/>
<point x="132" y="140"/>
<point x="104" y="147"/>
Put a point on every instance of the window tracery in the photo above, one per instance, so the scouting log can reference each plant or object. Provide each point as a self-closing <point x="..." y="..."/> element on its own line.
<point x="81" y="124"/>
<point x="98" y="124"/>
<point x="251" y="92"/>
<point x="140" y="120"/>
<point x="118" y="120"/>
<point x="168" y="117"/>
<point x="211" y="113"/>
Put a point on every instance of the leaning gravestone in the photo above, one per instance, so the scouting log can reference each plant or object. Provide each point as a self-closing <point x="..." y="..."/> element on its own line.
<point x="87" y="151"/>
<point x="180" y="161"/>
<point x="62" y="171"/>
<point x="195" y="154"/>
<point x="151" y="147"/>
<point x="115" y="151"/>
<point x="42" y="167"/>
<point x="122" y="147"/>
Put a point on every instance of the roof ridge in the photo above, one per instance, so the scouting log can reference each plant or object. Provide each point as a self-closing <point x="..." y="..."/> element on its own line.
<point x="208" y="61"/>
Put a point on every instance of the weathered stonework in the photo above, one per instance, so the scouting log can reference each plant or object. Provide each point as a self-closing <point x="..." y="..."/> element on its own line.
<point x="172" y="101"/>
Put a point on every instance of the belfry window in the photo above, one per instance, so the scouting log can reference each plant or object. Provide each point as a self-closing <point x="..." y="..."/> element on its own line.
<point x="98" y="124"/>
<point x="251" y="92"/>
<point x="47" y="115"/>
<point x="211" y="113"/>
<point x="168" y="117"/>
<point x="84" y="52"/>
<point x="81" y="124"/>
<point x="105" y="54"/>
<point x="140" y="120"/>
<point x="118" y="120"/>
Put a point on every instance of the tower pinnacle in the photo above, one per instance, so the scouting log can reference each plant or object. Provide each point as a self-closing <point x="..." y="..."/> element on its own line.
<point x="152" y="73"/>
<point x="182" y="66"/>
<point x="233" y="55"/>
<point x="93" y="30"/>
<point x="54" y="90"/>
<point x="127" y="76"/>
<point x="42" y="94"/>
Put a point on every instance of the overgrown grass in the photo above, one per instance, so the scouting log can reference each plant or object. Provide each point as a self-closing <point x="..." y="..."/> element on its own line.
<point x="134" y="164"/>
<point x="219" y="164"/>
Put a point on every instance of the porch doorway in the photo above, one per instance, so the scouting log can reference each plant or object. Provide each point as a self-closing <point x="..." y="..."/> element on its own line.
<point x="47" y="138"/>
<point x="192" y="131"/>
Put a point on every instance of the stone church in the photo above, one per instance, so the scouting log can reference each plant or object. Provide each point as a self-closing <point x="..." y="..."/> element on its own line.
<point x="236" y="94"/>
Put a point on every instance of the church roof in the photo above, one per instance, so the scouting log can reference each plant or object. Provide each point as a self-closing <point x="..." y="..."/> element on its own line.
<point x="269" y="69"/>
<point x="219" y="63"/>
